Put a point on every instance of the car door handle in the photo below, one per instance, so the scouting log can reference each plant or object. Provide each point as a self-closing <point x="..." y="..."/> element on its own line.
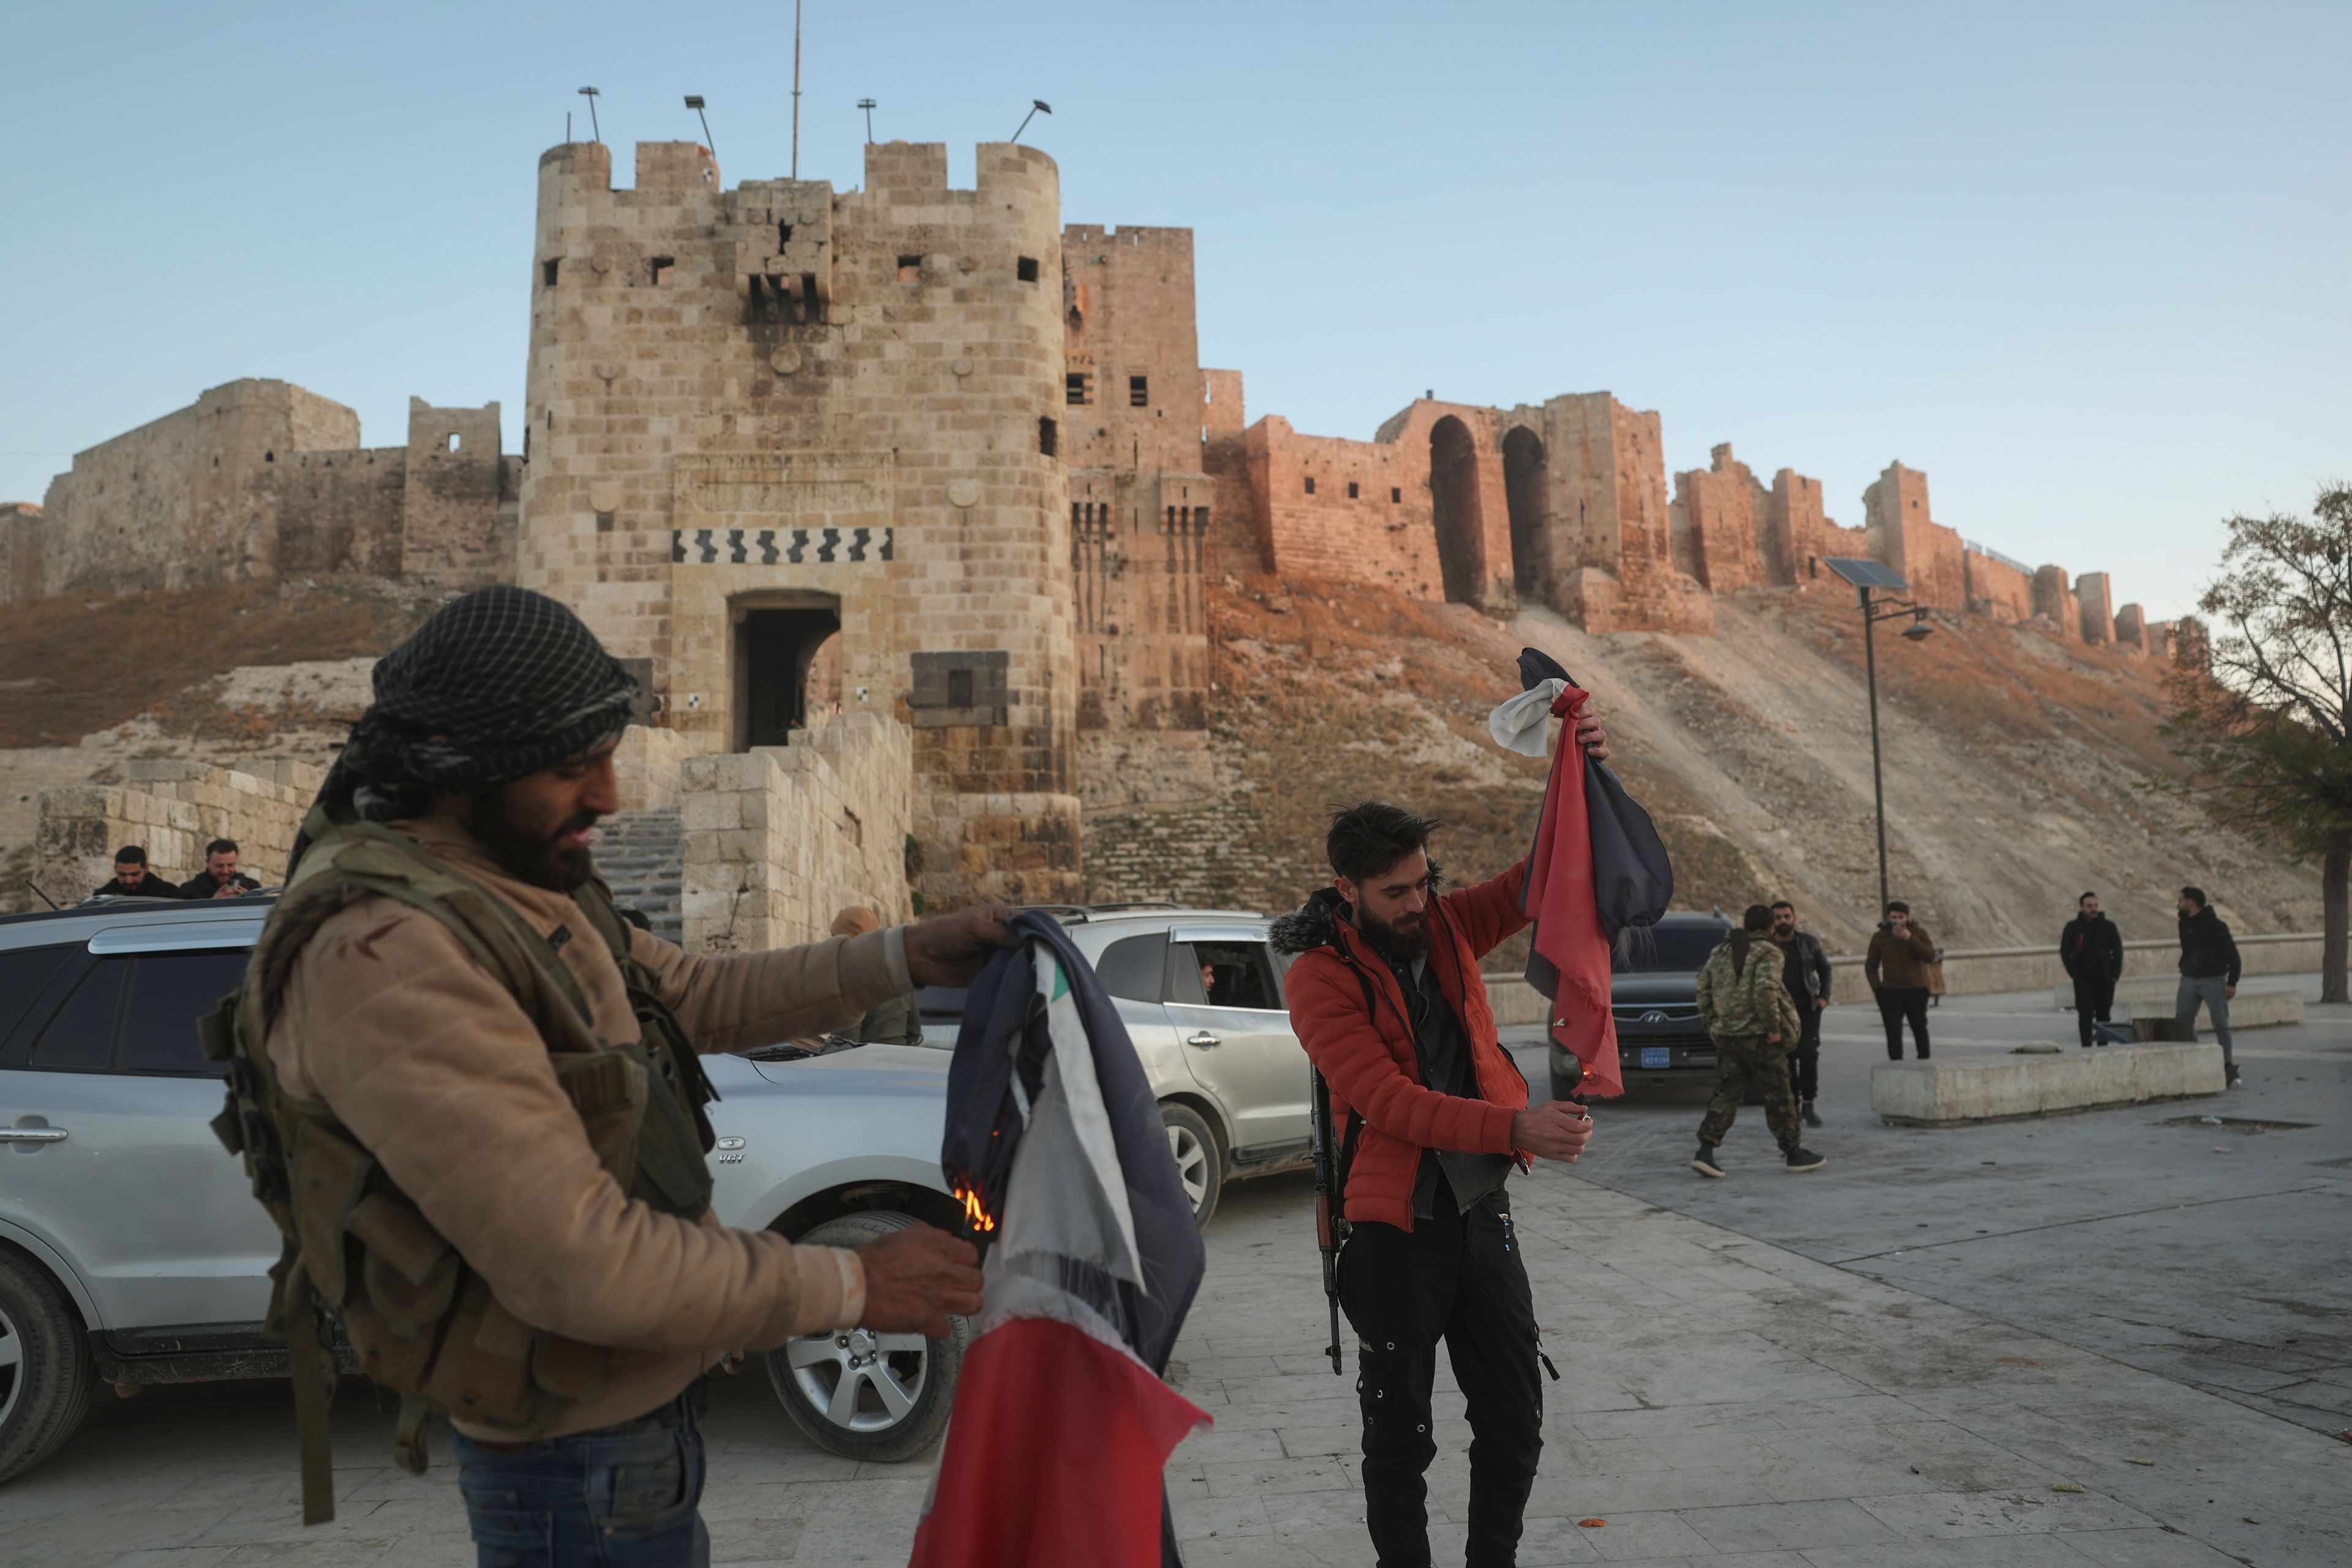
<point x="32" y="1134"/>
<point x="1201" y="1037"/>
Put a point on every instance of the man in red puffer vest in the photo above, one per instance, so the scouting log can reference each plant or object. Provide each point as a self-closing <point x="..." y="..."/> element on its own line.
<point x="1386" y="996"/>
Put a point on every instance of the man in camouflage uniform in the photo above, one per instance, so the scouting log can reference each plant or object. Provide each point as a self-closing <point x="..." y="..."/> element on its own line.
<point x="1749" y="1013"/>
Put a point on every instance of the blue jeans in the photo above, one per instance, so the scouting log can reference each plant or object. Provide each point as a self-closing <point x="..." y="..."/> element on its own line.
<point x="617" y="1497"/>
<point x="2208" y="990"/>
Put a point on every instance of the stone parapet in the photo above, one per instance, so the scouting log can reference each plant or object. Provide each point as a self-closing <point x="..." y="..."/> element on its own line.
<point x="780" y="839"/>
<point x="172" y="809"/>
<point x="649" y="764"/>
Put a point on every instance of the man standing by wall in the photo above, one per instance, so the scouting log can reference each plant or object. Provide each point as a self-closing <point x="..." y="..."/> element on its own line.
<point x="2091" y="948"/>
<point x="1386" y="997"/>
<point x="1744" y="1001"/>
<point x="1808" y="977"/>
<point x="2209" y="972"/>
<point x="133" y="879"/>
<point x="220" y="878"/>
<point x="1896" y="968"/>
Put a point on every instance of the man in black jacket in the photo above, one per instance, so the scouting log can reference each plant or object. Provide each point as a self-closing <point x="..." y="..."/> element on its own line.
<point x="220" y="878"/>
<point x="2209" y="972"/>
<point x="1807" y="975"/>
<point x="133" y="879"/>
<point x="2093" y="951"/>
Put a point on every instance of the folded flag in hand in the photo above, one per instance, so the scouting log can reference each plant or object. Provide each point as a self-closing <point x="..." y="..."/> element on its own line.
<point x="1598" y="870"/>
<point x="1062" y="1425"/>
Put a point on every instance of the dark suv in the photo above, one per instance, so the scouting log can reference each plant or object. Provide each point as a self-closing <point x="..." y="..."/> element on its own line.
<point x="1654" y="993"/>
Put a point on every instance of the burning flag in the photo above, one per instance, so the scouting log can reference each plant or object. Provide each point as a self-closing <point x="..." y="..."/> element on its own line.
<point x="1062" y="1425"/>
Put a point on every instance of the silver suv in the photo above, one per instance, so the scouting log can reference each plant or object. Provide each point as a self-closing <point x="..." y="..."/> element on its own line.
<point x="132" y="1250"/>
<point x="1201" y="993"/>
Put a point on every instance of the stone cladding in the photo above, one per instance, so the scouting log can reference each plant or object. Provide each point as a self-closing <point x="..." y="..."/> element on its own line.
<point x="172" y="809"/>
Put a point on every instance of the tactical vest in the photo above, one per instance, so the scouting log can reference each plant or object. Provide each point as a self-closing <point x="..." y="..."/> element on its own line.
<point x="419" y="1320"/>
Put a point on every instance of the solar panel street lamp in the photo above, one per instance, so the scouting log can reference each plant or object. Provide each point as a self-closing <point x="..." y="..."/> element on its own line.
<point x="1037" y="106"/>
<point x="1865" y="577"/>
<point x="694" y="101"/>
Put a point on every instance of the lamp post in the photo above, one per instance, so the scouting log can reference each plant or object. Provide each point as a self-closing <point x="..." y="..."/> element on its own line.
<point x="694" y="101"/>
<point x="594" y="130"/>
<point x="1866" y="575"/>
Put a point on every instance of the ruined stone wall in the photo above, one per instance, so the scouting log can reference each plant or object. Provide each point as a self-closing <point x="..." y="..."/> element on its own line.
<point x="778" y="394"/>
<point x="1996" y="588"/>
<point x="2054" y="602"/>
<point x="260" y="480"/>
<point x="340" y="512"/>
<point x="2096" y="606"/>
<point x="2131" y="629"/>
<point x="780" y="839"/>
<point x="1906" y="536"/>
<point x="1724" y="511"/>
<point x="1383" y="532"/>
<point x="1606" y="517"/>
<point x="20" y="552"/>
<point x="453" y="533"/>
<point x="172" y="809"/>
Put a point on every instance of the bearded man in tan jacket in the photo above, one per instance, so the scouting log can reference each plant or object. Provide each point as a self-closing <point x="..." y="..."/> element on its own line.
<point x="490" y="748"/>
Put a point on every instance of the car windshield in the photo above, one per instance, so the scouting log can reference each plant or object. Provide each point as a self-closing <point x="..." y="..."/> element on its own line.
<point x="1667" y="949"/>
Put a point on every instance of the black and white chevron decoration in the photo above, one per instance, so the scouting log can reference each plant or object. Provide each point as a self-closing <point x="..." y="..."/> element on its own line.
<point x="777" y="546"/>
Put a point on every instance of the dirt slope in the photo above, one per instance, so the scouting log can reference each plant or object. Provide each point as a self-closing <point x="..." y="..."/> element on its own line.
<point x="2017" y="766"/>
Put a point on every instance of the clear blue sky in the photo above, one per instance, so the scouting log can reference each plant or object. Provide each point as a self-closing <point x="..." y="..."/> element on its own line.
<point x="2086" y="265"/>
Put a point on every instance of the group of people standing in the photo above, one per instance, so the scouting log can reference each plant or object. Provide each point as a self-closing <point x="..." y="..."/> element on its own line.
<point x="2091" y="948"/>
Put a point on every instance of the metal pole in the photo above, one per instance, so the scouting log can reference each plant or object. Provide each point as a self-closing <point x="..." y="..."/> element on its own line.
<point x="796" y="88"/>
<point x="1877" y="778"/>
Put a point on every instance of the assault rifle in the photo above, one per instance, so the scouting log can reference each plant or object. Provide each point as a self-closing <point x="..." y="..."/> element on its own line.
<point x="1330" y="1198"/>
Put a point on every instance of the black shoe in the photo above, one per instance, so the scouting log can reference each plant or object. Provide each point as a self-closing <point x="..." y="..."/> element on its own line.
<point x="1812" y="1117"/>
<point x="1704" y="1161"/>
<point x="1804" y="1159"/>
<point x="2230" y="1079"/>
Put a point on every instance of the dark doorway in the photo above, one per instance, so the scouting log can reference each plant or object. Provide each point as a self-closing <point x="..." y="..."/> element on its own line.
<point x="777" y="648"/>
<point x="1524" y="491"/>
<point x="1454" y="496"/>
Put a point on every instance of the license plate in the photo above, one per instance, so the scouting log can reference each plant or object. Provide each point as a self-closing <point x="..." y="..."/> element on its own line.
<point x="1657" y="1056"/>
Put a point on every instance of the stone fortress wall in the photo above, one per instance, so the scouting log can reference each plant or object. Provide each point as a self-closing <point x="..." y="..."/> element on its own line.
<point x="924" y="483"/>
<point x="262" y="479"/>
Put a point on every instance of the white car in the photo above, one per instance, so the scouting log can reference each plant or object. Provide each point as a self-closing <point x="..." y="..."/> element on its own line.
<point x="132" y="1250"/>
<point x="1201" y="993"/>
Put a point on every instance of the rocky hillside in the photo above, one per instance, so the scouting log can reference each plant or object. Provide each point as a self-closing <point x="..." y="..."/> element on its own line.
<point x="2019" y="768"/>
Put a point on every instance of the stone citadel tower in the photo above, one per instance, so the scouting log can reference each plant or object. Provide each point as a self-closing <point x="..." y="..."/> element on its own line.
<point x="762" y="415"/>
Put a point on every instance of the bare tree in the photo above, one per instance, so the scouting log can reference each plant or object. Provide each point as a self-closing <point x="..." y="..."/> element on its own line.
<point x="2262" y="697"/>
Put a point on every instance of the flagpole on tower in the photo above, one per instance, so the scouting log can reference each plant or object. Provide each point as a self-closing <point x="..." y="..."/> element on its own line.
<point x="796" y="88"/>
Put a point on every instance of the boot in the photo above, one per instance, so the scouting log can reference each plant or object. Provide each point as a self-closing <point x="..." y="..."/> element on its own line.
<point x="1811" y="1118"/>
<point x="1704" y="1161"/>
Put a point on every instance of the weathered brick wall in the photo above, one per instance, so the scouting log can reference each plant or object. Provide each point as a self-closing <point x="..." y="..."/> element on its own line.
<point x="339" y="512"/>
<point x="648" y="765"/>
<point x="20" y="553"/>
<point x="2054" y="602"/>
<point x="2097" y="608"/>
<point x="1906" y="536"/>
<point x="2131" y="629"/>
<point x="1383" y="534"/>
<point x="1996" y="588"/>
<point x="172" y="809"/>
<point x="780" y="357"/>
<point x="780" y="839"/>
<point x="1724" y="509"/>
<point x="1606" y="511"/>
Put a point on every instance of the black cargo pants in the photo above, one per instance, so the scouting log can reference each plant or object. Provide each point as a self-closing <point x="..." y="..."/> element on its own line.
<point x="1459" y="1278"/>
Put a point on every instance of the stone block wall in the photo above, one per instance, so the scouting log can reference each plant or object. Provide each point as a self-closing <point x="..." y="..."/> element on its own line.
<point x="20" y="553"/>
<point x="1996" y="588"/>
<point x="2054" y="602"/>
<point x="780" y="839"/>
<point x="172" y="809"/>
<point x="2096" y="606"/>
<point x="1383" y="533"/>
<point x="648" y="765"/>
<point x="1904" y="535"/>
<point x="260" y="480"/>
<point x="1722" y="512"/>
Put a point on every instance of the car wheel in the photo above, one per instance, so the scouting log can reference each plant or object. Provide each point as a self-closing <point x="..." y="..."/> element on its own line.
<point x="45" y="1368"/>
<point x="862" y="1395"/>
<point x="1200" y="1163"/>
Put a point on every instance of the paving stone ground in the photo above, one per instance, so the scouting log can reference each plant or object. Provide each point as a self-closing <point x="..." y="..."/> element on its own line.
<point x="1727" y="1401"/>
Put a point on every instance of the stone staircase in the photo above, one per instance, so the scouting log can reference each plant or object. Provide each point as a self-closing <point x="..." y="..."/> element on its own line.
<point x="642" y="854"/>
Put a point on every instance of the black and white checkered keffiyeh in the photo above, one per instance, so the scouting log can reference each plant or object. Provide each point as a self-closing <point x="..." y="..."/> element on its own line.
<point x="498" y="684"/>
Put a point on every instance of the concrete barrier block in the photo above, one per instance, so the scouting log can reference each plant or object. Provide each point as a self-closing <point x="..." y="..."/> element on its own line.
<point x="1992" y="1089"/>
<point x="2156" y="998"/>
